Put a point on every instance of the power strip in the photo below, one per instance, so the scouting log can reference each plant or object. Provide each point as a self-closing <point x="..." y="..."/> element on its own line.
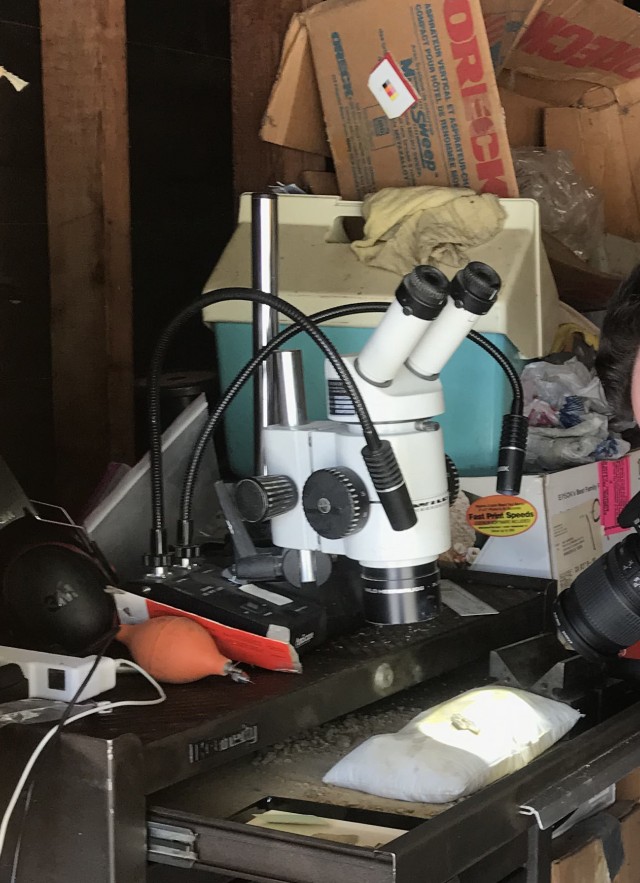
<point x="58" y="677"/>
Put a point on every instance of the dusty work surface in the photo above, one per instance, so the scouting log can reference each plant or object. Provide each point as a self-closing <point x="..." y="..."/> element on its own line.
<point x="214" y="722"/>
<point x="295" y="767"/>
<point x="424" y="650"/>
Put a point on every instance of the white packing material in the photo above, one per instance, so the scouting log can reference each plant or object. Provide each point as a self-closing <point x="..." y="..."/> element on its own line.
<point x="409" y="766"/>
<point x="457" y="747"/>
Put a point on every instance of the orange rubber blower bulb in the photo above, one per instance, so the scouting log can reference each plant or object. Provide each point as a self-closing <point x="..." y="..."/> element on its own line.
<point x="176" y="650"/>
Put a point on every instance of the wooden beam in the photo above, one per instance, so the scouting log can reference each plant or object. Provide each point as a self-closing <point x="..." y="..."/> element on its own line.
<point x="257" y="32"/>
<point x="86" y="141"/>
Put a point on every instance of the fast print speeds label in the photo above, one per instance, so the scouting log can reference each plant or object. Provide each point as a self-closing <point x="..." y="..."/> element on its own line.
<point x="500" y="516"/>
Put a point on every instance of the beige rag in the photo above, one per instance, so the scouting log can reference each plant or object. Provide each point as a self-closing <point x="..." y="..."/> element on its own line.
<point x="405" y="227"/>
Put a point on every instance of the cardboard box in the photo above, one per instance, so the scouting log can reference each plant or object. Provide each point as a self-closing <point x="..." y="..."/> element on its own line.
<point x="590" y="40"/>
<point x="629" y="787"/>
<point x="602" y="136"/>
<point x="451" y="131"/>
<point x="409" y="96"/>
<point x="581" y="857"/>
<point x="586" y="55"/>
<point x="559" y="525"/>
<point x="587" y="862"/>
<point x="294" y="114"/>
<point x="524" y="118"/>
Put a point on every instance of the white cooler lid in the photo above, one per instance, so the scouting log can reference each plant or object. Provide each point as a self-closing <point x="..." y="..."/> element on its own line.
<point x="318" y="269"/>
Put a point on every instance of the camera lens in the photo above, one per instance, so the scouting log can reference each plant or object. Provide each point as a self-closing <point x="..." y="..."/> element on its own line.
<point x="401" y="595"/>
<point x="599" y="614"/>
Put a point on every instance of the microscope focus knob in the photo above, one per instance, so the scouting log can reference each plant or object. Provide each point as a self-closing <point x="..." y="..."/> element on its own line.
<point x="335" y="502"/>
<point x="264" y="497"/>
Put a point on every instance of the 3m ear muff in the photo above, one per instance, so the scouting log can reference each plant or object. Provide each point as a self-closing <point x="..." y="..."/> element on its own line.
<point x="54" y="595"/>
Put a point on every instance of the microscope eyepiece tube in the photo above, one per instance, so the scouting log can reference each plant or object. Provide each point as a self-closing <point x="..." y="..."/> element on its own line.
<point x="419" y="299"/>
<point x="423" y="293"/>
<point x="473" y="290"/>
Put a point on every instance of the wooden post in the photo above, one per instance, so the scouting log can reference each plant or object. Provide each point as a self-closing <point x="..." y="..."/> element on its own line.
<point x="86" y="142"/>
<point x="257" y="32"/>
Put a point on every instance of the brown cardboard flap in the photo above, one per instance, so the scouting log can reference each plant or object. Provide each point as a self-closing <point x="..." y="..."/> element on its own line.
<point x="506" y="21"/>
<point x="294" y="114"/>
<point x="555" y="93"/>
<point x="593" y="40"/>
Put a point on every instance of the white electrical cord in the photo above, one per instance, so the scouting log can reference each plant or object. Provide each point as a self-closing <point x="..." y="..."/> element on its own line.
<point x="97" y="709"/>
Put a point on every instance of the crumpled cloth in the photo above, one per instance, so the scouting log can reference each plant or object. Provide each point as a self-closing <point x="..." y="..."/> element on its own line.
<point x="408" y="226"/>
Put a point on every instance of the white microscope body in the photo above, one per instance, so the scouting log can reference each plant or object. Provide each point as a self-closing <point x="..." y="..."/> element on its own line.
<point x="330" y="504"/>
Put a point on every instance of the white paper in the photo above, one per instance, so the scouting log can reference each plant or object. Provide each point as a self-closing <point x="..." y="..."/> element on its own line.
<point x="462" y="602"/>
<point x="337" y="830"/>
<point x="265" y="594"/>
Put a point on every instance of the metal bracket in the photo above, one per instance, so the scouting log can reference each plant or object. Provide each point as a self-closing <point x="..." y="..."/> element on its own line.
<point x="171" y="845"/>
<point x="542" y="665"/>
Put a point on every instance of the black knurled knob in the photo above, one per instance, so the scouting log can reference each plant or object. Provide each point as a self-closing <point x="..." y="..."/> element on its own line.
<point x="265" y="497"/>
<point x="453" y="479"/>
<point x="335" y="502"/>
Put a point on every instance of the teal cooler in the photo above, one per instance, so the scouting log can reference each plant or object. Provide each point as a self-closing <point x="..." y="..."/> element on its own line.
<point x="318" y="270"/>
<point x="475" y="388"/>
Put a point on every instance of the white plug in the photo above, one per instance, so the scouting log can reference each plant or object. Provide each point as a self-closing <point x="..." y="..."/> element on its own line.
<point x="51" y="676"/>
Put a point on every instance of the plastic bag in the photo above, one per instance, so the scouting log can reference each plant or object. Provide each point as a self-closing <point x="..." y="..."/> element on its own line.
<point x="570" y="209"/>
<point x="568" y="417"/>
<point x="457" y="747"/>
<point x="410" y="766"/>
<point x="550" y="448"/>
<point x="552" y="383"/>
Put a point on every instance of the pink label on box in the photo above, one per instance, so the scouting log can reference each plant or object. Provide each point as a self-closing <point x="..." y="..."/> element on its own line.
<point x="615" y="491"/>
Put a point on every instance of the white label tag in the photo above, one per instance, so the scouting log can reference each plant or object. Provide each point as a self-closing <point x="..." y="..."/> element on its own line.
<point x="131" y="608"/>
<point x="462" y="602"/>
<point x="391" y="89"/>
<point x="265" y="594"/>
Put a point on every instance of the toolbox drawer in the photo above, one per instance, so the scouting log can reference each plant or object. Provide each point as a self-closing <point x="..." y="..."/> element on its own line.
<point x="434" y="843"/>
<point x="217" y="807"/>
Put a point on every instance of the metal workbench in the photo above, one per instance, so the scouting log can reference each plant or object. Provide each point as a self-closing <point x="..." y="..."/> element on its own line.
<point x="113" y="792"/>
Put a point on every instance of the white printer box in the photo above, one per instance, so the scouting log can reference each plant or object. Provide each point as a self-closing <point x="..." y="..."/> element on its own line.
<point x="560" y="523"/>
